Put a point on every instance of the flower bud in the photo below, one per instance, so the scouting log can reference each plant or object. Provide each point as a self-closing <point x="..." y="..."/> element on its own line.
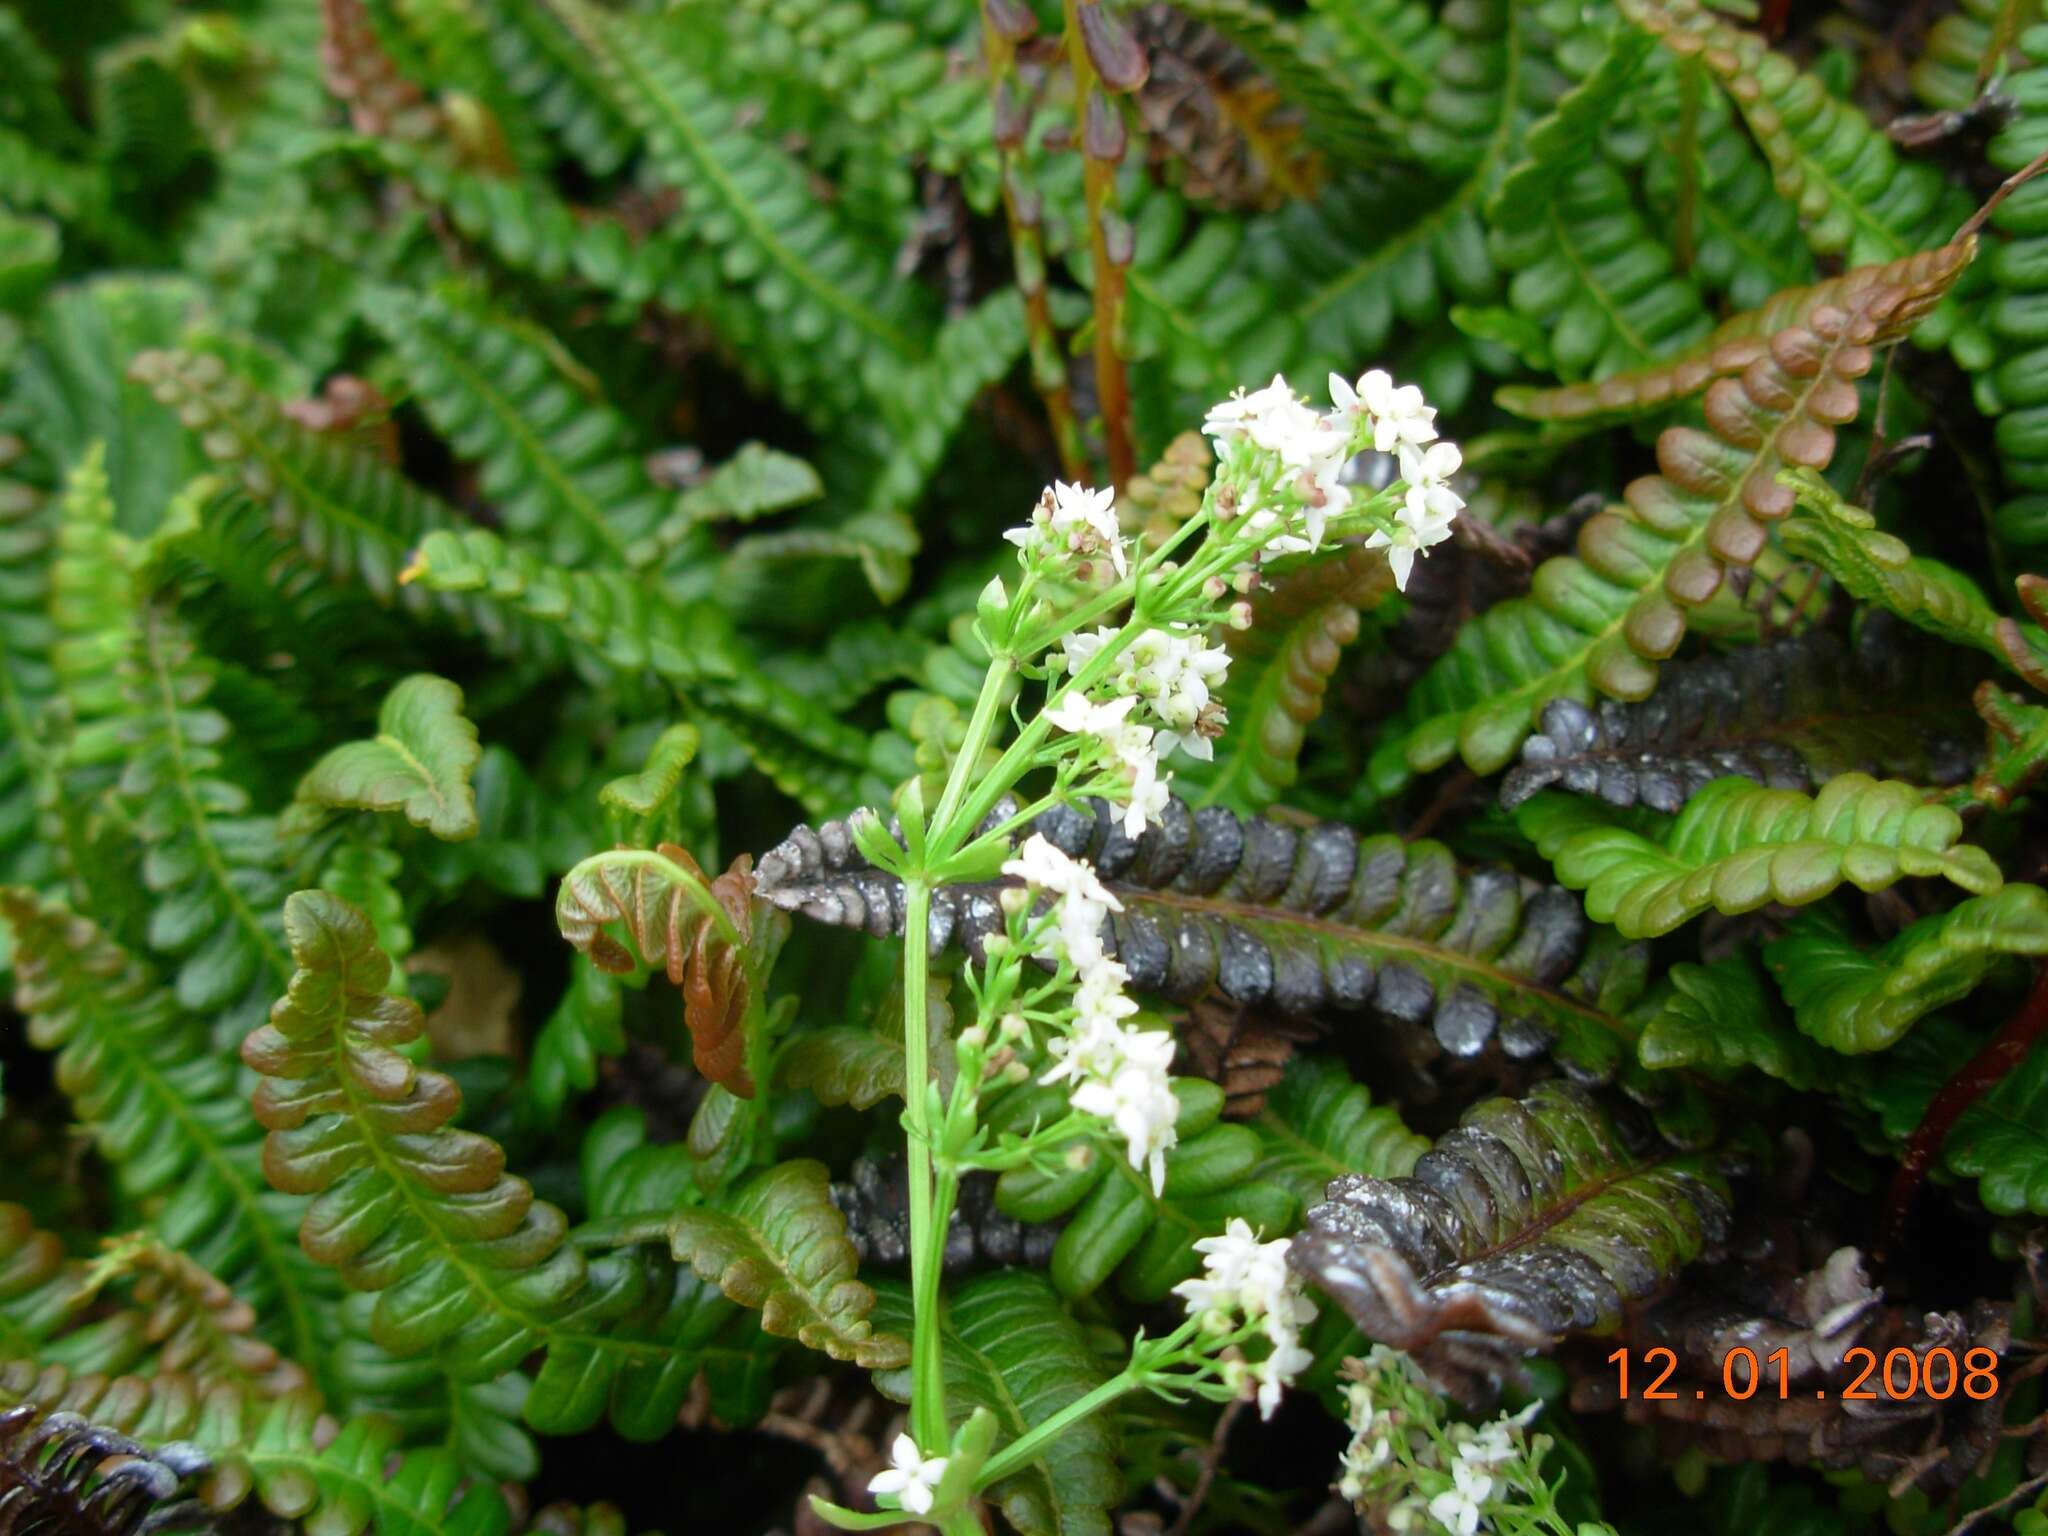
<point x="1011" y="20"/>
<point x="1012" y="1029"/>
<point x="1112" y="47"/>
<point x="1016" y="1074"/>
<point x="1215" y="589"/>
<point x="974" y="1037"/>
<point x="1015" y="901"/>
<point x="1080" y="1157"/>
<point x="995" y="946"/>
<point x="1240" y="614"/>
<point x="1102" y="132"/>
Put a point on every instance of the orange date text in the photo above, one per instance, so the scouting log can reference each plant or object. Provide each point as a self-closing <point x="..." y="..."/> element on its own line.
<point x="1901" y="1374"/>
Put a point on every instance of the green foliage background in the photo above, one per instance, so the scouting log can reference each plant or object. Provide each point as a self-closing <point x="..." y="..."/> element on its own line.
<point x="443" y="439"/>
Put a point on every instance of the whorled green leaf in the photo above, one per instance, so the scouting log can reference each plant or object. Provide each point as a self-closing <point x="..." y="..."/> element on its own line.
<point x="1737" y="846"/>
<point x="1115" y="1224"/>
<point x="779" y="1245"/>
<point x="1530" y="1220"/>
<point x="1009" y="1345"/>
<point x="419" y="763"/>
<point x="1854" y="999"/>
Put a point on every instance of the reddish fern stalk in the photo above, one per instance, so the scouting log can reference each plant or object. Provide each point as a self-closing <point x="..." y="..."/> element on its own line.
<point x="1978" y="1076"/>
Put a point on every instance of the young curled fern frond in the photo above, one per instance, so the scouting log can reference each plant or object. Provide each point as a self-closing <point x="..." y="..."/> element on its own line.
<point x="708" y="935"/>
<point x="1737" y="845"/>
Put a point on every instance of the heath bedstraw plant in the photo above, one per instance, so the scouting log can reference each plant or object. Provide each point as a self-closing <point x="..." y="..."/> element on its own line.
<point x="1117" y="640"/>
<point x="1409" y="1468"/>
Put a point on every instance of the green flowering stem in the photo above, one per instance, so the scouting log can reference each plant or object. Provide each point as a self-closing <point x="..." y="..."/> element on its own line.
<point x="1029" y="1446"/>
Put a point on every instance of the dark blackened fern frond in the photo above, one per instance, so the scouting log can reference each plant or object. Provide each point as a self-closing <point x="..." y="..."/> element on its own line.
<point x="1310" y="922"/>
<point x="1533" y="1219"/>
<point x="1791" y="715"/>
<point x="63" y="1476"/>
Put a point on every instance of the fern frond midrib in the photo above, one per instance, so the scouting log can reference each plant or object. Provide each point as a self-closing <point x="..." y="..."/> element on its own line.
<point x="1617" y="317"/>
<point x="535" y="453"/>
<point x="196" y="821"/>
<point x="1555" y="1215"/>
<point x="539" y="1324"/>
<point x="743" y="208"/>
<point x="1368" y="938"/>
<point x="1470" y="191"/>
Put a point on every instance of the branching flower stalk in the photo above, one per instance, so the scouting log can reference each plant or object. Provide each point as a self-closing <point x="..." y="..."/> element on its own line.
<point x="1119" y="636"/>
<point x="1409" y="1468"/>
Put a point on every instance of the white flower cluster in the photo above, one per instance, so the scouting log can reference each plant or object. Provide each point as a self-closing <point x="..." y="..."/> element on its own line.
<point x="1407" y="1466"/>
<point x="1313" y="449"/>
<point x="1118" y="1072"/>
<point x="911" y="1477"/>
<point x="1243" y="1277"/>
<point x="1074" y="524"/>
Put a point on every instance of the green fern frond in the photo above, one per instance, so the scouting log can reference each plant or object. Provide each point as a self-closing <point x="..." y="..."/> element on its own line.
<point x="559" y="466"/>
<point x="215" y="871"/>
<point x="1737" y="846"/>
<point x="1855" y="195"/>
<point x="792" y="262"/>
<point x="884" y="75"/>
<point x="1854" y="1000"/>
<point x="621" y="623"/>
<point x="1603" y="619"/>
<point x="165" y="1110"/>
<point x="542" y="64"/>
<point x="1583" y="265"/>
<point x="1318" y="1125"/>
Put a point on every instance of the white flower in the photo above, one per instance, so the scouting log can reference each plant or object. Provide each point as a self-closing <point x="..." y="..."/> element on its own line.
<point x="1458" y="1509"/>
<point x="1274" y="418"/>
<point x="1277" y="1372"/>
<point x="1078" y="650"/>
<point x="1139" y="1101"/>
<point x="1149" y="795"/>
<point x="1397" y="414"/>
<point x="1073" y="521"/>
<point x="1430" y="502"/>
<point x="1038" y="863"/>
<point x="911" y="1478"/>
<point x="1401" y="546"/>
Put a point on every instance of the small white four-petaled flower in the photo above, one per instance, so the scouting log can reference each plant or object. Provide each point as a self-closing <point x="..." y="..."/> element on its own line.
<point x="910" y="1476"/>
